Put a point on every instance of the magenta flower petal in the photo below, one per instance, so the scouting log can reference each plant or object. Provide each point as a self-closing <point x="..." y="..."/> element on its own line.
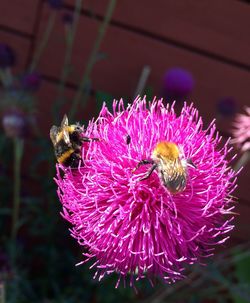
<point x="137" y="227"/>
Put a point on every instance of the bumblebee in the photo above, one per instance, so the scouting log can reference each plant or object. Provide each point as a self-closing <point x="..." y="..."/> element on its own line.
<point x="67" y="141"/>
<point x="172" y="169"/>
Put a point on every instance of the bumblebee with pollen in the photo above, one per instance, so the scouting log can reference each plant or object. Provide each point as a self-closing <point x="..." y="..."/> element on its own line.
<point x="67" y="141"/>
<point x="172" y="169"/>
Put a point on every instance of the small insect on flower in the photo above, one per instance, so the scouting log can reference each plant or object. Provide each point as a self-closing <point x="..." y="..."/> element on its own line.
<point x="128" y="139"/>
<point x="172" y="168"/>
<point x="67" y="141"/>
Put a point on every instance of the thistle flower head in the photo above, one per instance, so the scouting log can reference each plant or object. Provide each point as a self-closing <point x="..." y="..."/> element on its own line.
<point x="137" y="227"/>
<point x="241" y="131"/>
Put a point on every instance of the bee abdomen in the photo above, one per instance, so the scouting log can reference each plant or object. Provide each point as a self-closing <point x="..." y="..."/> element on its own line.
<point x="176" y="184"/>
<point x="65" y="156"/>
<point x="73" y="160"/>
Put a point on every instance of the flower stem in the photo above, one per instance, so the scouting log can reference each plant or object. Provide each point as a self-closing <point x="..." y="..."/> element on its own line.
<point x="70" y="35"/>
<point x="142" y="80"/>
<point x="18" y="153"/>
<point x="6" y="77"/>
<point x="81" y="93"/>
<point x="2" y="292"/>
<point x="44" y="41"/>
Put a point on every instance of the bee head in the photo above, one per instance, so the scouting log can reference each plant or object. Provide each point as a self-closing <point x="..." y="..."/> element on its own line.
<point x="167" y="150"/>
<point x="71" y="131"/>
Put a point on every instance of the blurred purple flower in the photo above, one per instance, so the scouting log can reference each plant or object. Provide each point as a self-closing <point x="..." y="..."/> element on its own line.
<point x="31" y="81"/>
<point x="5" y="268"/>
<point x="7" y="56"/>
<point x="137" y="227"/>
<point x="14" y="123"/>
<point x="67" y="18"/>
<point x="56" y="4"/>
<point x="227" y="106"/>
<point x="241" y="131"/>
<point x="4" y="262"/>
<point x="178" y="83"/>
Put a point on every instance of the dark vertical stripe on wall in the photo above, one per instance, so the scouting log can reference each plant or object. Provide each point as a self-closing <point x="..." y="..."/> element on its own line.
<point x="35" y="31"/>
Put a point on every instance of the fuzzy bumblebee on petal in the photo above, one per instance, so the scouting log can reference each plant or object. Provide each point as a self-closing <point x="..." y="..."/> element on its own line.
<point x="67" y="141"/>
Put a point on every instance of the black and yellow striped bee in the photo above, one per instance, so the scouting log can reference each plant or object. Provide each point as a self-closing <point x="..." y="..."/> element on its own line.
<point x="67" y="141"/>
<point x="172" y="169"/>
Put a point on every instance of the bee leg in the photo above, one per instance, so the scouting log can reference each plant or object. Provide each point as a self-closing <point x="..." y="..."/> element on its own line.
<point x="154" y="166"/>
<point x="86" y="139"/>
<point x="142" y="162"/>
<point x="191" y="163"/>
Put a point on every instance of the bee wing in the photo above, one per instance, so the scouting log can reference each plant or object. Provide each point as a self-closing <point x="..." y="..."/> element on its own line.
<point x="65" y="121"/>
<point x="65" y="132"/>
<point x="53" y="133"/>
<point x="174" y="176"/>
<point x="66" y="136"/>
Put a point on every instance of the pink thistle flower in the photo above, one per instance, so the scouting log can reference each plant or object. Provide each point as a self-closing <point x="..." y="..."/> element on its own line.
<point x="138" y="227"/>
<point x="241" y="132"/>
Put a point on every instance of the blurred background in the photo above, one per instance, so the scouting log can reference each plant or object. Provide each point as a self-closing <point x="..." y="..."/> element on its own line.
<point x="69" y="56"/>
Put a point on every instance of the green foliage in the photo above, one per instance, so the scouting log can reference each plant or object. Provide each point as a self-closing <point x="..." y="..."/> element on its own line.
<point x="242" y="272"/>
<point x="103" y="97"/>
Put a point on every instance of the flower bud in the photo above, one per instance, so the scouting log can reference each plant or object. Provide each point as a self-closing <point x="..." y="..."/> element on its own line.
<point x="178" y="83"/>
<point x="7" y="56"/>
<point x="31" y="81"/>
<point x="55" y="4"/>
<point x="14" y="124"/>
